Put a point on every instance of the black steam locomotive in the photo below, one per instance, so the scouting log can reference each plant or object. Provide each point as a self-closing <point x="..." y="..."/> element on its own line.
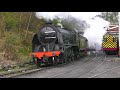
<point x="53" y="45"/>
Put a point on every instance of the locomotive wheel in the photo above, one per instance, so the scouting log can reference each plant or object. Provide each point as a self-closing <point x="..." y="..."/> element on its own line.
<point x="106" y="52"/>
<point x="76" y="56"/>
<point x="54" y="61"/>
<point x="38" y="62"/>
<point x="61" y="57"/>
<point x="34" y="60"/>
<point x="46" y="63"/>
<point x="72" y="56"/>
<point x="68" y="59"/>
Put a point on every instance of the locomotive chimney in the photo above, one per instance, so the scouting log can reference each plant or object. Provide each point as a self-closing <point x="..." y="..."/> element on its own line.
<point x="49" y="22"/>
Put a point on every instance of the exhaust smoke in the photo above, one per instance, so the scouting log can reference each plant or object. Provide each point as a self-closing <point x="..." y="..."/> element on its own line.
<point x="95" y="28"/>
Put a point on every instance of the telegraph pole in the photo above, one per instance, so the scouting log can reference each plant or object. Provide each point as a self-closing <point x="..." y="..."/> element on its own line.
<point x="119" y="31"/>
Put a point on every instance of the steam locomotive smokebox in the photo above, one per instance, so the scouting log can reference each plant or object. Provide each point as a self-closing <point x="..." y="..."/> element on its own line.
<point x="48" y="22"/>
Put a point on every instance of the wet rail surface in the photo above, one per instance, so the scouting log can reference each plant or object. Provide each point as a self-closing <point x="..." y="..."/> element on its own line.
<point x="96" y="65"/>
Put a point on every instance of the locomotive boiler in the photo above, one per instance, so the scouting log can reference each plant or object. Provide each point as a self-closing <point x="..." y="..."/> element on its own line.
<point x="53" y="44"/>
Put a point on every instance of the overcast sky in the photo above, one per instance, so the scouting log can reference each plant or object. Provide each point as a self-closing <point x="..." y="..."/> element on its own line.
<point x="79" y="15"/>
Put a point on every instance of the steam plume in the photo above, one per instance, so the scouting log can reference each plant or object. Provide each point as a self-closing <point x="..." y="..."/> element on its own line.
<point x="94" y="33"/>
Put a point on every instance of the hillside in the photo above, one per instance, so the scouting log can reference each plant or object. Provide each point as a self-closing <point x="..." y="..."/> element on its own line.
<point x="14" y="49"/>
<point x="16" y="32"/>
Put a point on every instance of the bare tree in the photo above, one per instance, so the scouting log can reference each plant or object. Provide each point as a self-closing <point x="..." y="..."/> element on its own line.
<point x="112" y="17"/>
<point x="28" y="24"/>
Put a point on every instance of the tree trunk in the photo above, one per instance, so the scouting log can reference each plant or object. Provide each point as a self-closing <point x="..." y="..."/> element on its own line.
<point x="28" y="24"/>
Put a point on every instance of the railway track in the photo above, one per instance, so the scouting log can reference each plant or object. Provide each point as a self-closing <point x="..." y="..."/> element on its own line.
<point x="90" y="60"/>
<point x="90" y="71"/>
<point x="75" y="68"/>
<point x="93" y="68"/>
<point x="98" y="66"/>
<point x="93" y="57"/>
<point x="23" y="72"/>
<point x="103" y="72"/>
<point x="29" y="71"/>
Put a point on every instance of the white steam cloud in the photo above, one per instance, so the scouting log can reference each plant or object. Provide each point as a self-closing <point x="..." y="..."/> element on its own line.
<point x="94" y="33"/>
